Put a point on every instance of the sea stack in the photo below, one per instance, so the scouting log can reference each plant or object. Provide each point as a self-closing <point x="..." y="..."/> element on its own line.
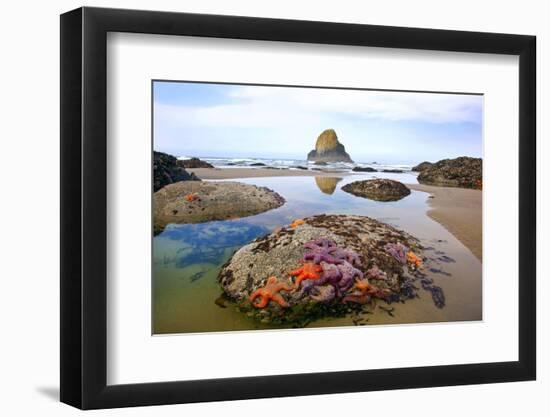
<point x="328" y="149"/>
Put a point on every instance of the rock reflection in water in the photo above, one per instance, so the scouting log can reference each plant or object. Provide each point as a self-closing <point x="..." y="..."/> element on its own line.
<point x="327" y="184"/>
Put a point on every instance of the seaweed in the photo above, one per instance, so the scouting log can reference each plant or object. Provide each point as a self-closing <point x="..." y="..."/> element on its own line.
<point x="437" y="292"/>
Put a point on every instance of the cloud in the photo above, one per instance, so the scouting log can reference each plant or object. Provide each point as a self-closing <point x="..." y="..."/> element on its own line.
<point x="249" y="106"/>
<point x="384" y="105"/>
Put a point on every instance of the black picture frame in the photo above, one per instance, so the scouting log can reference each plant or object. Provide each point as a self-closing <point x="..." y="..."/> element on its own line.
<point x="84" y="207"/>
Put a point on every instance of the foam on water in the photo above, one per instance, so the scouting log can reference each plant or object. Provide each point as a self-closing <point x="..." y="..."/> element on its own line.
<point x="248" y="162"/>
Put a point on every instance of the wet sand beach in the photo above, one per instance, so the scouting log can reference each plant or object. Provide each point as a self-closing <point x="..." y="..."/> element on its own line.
<point x="459" y="210"/>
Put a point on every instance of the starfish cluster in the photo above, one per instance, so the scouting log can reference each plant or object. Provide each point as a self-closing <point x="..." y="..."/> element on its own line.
<point x="328" y="272"/>
<point x="336" y="274"/>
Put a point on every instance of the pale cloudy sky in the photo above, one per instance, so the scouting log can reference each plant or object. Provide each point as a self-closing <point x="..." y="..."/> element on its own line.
<point x="197" y="119"/>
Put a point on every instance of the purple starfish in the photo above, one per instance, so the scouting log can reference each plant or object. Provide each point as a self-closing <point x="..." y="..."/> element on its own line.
<point x="321" y="250"/>
<point x="349" y="273"/>
<point x="398" y="251"/>
<point x="331" y="275"/>
<point x="376" y="273"/>
<point x="324" y="294"/>
<point x="322" y="242"/>
<point x="349" y="256"/>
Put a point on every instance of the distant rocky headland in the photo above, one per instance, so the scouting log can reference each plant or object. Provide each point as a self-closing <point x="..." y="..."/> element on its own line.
<point x="328" y="149"/>
<point x="167" y="170"/>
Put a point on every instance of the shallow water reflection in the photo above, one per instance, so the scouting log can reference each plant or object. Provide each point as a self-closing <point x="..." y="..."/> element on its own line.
<point x="327" y="185"/>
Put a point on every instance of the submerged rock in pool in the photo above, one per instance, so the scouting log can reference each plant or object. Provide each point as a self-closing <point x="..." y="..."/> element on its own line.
<point x="324" y="266"/>
<point x="378" y="189"/>
<point x="197" y="202"/>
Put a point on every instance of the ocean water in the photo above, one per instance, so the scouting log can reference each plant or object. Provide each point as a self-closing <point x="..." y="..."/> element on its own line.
<point x="187" y="258"/>
<point x="220" y="162"/>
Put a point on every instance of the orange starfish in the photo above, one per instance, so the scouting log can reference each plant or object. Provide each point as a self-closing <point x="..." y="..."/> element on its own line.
<point x="191" y="197"/>
<point x="367" y="288"/>
<point x="270" y="292"/>
<point x="307" y="271"/>
<point x="297" y="223"/>
<point x="364" y="286"/>
<point x="414" y="260"/>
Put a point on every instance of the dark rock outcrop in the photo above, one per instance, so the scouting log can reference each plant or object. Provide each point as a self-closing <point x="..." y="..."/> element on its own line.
<point x="194" y="163"/>
<point x="464" y="172"/>
<point x="364" y="169"/>
<point x="378" y="189"/>
<point x="421" y="166"/>
<point x="393" y="171"/>
<point x="167" y="171"/>
<point x="328" y="149"/>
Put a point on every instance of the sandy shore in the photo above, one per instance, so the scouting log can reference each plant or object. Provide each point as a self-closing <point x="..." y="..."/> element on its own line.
<point x="459" y="210"/>
<point x="231" y="173"/>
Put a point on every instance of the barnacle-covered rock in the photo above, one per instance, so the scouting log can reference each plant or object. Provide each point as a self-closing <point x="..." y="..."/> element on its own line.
<point x="202" y="201"/>
<point x="464" y="172"/>
<point x="421" y="166"/>
<point x="329" y="260"/>
<point x="378" y="189"/>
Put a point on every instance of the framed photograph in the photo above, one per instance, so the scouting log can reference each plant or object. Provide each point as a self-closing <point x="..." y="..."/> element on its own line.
<point x="257" y="208"/>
